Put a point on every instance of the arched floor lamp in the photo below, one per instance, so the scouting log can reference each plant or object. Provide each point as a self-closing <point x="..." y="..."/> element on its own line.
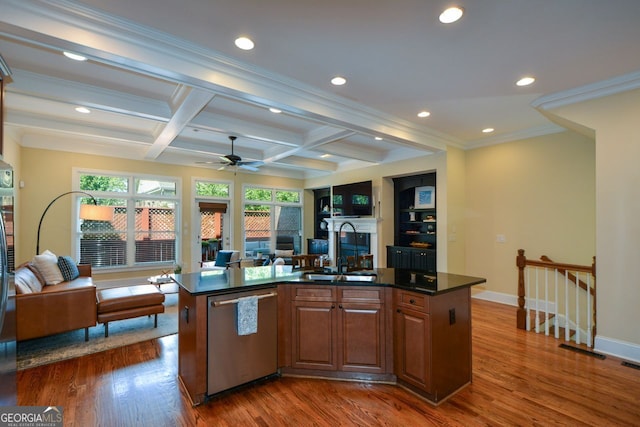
<point x="89" y="212"/>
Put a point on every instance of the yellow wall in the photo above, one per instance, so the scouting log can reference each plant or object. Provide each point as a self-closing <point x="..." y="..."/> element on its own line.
<point x="47" y="174"/>
<point x="615" y="121"/>
<point x="540" y="194"/>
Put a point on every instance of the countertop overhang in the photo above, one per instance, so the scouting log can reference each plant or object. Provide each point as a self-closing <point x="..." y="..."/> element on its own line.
<point x="219" y="282"/>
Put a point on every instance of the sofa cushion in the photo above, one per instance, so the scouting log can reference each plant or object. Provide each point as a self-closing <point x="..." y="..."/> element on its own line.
<point x="26" y="281"/>
<point x="68" y="268"/>
<point x="47" y="265"/>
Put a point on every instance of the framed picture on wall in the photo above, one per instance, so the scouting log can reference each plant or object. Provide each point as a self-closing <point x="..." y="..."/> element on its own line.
<point x="425" y="197"/>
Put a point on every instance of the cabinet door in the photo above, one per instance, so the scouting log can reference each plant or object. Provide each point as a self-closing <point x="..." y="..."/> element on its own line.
<point x="424" y="260"/>
<point x="362" y="336"/>
<point x="412" y="352"/>
<point x="314" y="341"/>
<point x="398" y="257"/>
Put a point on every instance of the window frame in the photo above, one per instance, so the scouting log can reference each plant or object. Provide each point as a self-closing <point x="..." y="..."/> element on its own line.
<point x="273" y="203"/>
<point x="130" y="196"/>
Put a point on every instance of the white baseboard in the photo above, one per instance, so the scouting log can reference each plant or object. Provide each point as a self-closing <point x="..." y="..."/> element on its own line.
<point x="611" y="346"/>
<point x="496" y="297"/>
<point x="618" y="348"/>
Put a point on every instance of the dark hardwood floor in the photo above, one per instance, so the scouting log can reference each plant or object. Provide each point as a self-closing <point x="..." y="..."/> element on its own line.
<point x="519" y="378"/>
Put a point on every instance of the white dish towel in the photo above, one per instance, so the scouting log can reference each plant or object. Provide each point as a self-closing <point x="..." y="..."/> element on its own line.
<point x="247" y="315"/>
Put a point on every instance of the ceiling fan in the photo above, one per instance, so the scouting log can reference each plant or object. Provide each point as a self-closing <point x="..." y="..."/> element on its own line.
<point x="234" y="160"/>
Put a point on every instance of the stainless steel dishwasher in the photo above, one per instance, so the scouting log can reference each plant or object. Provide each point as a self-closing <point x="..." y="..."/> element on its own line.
<point x="238" y="359"/>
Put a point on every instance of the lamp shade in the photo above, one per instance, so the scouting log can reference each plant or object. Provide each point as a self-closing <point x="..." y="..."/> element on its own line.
<point x="96" y="213"/>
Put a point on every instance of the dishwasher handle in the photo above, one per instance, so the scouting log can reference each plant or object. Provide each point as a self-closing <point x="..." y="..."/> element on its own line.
<point x="235" y="300"/>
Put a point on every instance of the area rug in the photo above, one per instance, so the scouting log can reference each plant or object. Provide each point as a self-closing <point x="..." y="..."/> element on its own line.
<point x="42" y="351"/>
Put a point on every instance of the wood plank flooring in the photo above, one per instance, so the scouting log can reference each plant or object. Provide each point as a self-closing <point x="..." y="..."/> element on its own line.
<point x="519" y="378"/>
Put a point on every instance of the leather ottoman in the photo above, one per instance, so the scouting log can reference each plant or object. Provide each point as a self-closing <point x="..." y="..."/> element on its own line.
<point x="128" y="302"/>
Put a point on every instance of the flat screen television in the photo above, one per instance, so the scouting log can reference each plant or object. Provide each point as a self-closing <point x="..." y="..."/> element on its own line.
<point x="353" y="200"/>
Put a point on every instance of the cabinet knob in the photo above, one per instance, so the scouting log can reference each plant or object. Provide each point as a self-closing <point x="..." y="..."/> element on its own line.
<point x="340" y="306"/>
<point x="333" y="306"/>
<point x="398" y="310"/>
<point x="186" y="313"/>
<point x="412" y="301"/>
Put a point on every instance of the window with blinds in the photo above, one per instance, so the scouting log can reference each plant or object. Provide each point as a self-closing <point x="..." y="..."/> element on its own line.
<point x="136" y="225"/>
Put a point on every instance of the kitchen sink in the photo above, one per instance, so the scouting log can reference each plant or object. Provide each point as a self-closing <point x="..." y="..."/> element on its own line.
<point x="355" y="277"/>
<point x="358" y="278"/>
<point x="321" y="276"/>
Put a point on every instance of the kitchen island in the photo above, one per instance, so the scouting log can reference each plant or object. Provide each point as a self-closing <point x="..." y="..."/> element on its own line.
<point x="390" y="325"/>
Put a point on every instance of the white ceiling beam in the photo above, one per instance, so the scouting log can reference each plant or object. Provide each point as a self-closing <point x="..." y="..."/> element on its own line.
<point x="187" y="103"/>
<point x="50" y="88"/>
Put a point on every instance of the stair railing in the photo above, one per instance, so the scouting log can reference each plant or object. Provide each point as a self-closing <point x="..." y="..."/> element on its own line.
<point x="555" y="295"/>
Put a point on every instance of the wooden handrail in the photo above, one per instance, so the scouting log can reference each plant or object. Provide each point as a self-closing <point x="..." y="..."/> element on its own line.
<point x="562" y="268"/>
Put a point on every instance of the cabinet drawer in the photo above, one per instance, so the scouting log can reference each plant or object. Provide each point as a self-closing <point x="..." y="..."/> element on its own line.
<point x="361" y="294"/>
<point x="314" y="293"/>
<point x="412" y="300"/>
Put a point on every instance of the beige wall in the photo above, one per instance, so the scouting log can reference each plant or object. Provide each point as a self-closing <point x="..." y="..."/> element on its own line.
<point x="615" y="121"/>
<point x="539" y="193"/>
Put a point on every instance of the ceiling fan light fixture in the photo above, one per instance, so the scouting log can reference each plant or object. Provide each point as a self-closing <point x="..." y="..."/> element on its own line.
<point x="244" y="43"/>
<point x="451" y="15"/>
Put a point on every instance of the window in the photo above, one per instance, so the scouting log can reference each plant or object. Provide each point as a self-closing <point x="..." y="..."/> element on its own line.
<point x="137" y="221"/>
<point x="269" y="213"/>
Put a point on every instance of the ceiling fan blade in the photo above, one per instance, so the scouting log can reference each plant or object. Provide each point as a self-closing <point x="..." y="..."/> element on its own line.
<point x="248" y="167"/>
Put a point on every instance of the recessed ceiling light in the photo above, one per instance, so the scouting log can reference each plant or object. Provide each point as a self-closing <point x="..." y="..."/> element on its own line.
<point x="74" y="56"/>
<point x="244" y="43"/>
<point x="83" y="110"/>
<point x="487" y="130"/>
<point x="324" y="156"/>
<point x="338" y="81"/>
<point x="451" y="15"/>
<point x="424" y="114"/>
<point x="275" y="110"/>
<point x="377" y="138"/>
<point x="525" y="81"/>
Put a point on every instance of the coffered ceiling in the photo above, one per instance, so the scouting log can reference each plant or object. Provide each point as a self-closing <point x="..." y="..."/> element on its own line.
<point x="164" y="81"/>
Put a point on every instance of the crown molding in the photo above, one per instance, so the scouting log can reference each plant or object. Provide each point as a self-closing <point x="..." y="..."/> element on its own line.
<point x="515" y="136"/>
<point x="588" y="92"/>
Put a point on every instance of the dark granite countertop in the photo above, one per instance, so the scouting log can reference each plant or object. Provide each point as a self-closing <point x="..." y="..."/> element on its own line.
<point x="218" y="282"/>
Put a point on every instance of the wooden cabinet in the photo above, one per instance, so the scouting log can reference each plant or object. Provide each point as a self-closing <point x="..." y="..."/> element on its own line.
<point x="432" y="347"/>
<point x="337" y="328"/>
<point x="314" y="328"/>
<point x="412" y="333"/>
<point x="192" y="344"/>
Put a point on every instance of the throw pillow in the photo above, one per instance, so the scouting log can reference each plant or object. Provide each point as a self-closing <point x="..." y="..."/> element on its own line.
<point x="68" y="268"/>
<point x="47" y="265"/>
<point x="284" y="253"/>
<point x="223" y="258"/>
<point x="37" y="273"/>
<point x="26" y="282"/>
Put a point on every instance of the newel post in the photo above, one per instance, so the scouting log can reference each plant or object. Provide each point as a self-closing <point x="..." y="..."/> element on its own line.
<point x="521" y="262"/>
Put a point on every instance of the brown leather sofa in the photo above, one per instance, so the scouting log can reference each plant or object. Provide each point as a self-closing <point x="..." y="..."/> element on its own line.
<point x="57" y="308"/>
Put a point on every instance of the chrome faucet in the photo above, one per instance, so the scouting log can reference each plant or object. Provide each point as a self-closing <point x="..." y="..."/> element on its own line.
<point x="340" y="262"/>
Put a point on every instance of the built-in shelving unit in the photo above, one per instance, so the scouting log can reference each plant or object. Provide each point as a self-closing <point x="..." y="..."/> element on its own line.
<point x="415" y="238"/>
